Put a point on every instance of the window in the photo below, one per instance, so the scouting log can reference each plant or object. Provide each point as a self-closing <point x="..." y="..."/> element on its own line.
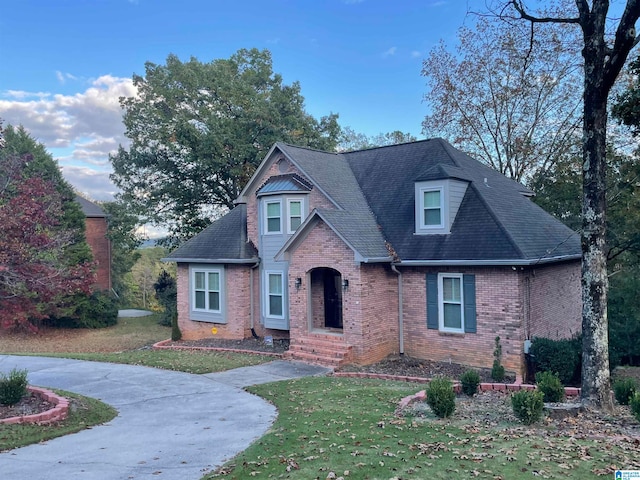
<point x="275" y="303"/>
<point x="273" y="217"/>
<point x="295" y="215"/>
<point x="206" y="290"/>
<point x="431" y="208"/>
<point x="451" y="302"/>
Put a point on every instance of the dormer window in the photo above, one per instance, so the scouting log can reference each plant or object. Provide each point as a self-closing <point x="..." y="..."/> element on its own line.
<point x="436" y="205"/>
<point x="432" y="208"/>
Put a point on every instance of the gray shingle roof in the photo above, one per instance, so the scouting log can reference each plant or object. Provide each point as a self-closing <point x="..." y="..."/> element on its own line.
<point x="90" y="209"/>
<point x="374" y="194"/>
<point x="224" y="241"/>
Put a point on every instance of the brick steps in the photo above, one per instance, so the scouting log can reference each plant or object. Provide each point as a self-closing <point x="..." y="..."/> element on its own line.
<point x="327" y="350"/>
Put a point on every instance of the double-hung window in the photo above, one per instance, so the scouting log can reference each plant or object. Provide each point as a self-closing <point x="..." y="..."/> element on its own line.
<point x="294" y="218"/>
<point x="451" y="302"/>
<point x="206" y="291"/>
<point x="273" y="217"/>
<point x="432" y="208"/>
<point x="275" y="295"/>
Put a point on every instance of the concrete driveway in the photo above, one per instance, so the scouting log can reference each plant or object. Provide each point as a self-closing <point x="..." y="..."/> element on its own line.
<point x="170" y="425"/>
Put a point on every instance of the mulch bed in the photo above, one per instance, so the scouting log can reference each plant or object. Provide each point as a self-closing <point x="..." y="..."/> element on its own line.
<point x="394" y="365"/>
<point x="29" y="405"/>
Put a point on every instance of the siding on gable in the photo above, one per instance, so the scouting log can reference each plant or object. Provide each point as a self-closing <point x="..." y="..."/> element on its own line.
<point x="457" y="189"/>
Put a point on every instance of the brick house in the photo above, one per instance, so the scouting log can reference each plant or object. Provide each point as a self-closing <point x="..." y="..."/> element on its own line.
<point x="414" y="248"/>
<point x="96" y="235"/>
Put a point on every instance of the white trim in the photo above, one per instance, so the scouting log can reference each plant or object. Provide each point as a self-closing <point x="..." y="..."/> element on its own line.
<point x="301" y="201"/>
<point x="423" y="225"/>
<point x="207" y="290"/>
<point x="266" y="216"/>
<point x="441" y="302"/>
<point x="267" y="293"/>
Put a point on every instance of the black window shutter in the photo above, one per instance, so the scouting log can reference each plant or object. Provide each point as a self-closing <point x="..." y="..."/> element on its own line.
<point x="469" y="289"/>
<point x="432" y="301"/>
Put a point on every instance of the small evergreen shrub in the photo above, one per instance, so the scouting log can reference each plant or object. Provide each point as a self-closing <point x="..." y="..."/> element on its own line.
<point x="98" y="310"/>
<point x="527" y="405"/>
<point x="634" y="403"/>
<point x="560" y="356"/>
<point x="441" y="397"/>
<point x="167" y="295"/>
<point x="497" y="371"/>
<point x="13" y="387"/>
<point x="550" y="385"/>
<point x="624" y="389"/>
<point x="470" y="380"/>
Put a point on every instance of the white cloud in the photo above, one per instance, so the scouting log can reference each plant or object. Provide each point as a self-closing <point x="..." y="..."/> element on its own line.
<point x="88" y="125"/>
<point x="390" y="52"/>
<point x="416" y="54"/>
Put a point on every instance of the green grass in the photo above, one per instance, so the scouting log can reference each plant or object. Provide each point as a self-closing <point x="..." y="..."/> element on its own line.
<point x="347" y="426"/>
<point x="84" y="412"/>
<point x="180" y="360"/>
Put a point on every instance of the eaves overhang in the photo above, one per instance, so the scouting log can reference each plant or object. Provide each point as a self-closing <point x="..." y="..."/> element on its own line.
<point x="519" y="262"/>
<point x="237" y="261"/>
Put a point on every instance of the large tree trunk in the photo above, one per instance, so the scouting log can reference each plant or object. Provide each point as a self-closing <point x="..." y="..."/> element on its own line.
<point x="595" y="344"/>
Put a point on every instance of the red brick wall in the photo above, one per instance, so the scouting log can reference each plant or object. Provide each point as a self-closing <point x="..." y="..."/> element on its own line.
<point x="370" y="306"/>
<point x="499" y="312"/>
<point x="96" y="235"/>
<point x="555" y="299"/>
<point x="238" y="307"/>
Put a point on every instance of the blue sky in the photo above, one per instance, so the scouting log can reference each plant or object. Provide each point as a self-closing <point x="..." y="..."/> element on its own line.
<point x="64" y="63"/>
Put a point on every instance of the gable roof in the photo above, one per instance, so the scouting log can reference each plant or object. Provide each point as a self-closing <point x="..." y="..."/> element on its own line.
<point x="224" y="241"/>
<point x="90" y="209"/>
<point x="373" y="192"/>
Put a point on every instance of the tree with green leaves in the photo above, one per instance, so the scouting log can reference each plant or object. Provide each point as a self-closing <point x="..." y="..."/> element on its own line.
<point x="604" y="56"/>
<point x="199" y="130"/>
<point x="351" y="140"/>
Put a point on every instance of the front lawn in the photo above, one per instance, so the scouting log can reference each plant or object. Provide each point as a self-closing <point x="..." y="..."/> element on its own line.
<point x="330" y="427"/>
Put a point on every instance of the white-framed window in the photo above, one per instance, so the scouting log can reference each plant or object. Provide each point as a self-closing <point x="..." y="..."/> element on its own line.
<point x="274" y="294"/>
<point x="273" y="217"/>
<point x="451" y="302"/>
<point x="431" y="208"/>
<point x="206" y="291"/>
<point x="295" y="214"/>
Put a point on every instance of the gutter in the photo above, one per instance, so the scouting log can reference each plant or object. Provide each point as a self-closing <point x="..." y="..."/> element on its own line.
<point x="251" y="301"/>
<point x="234" y="261"/>
<point x="489" y="263"/>
<point x="400" y="315"/>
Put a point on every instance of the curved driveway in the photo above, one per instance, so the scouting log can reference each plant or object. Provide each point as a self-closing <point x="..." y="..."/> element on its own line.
<point x="170" y="425"/>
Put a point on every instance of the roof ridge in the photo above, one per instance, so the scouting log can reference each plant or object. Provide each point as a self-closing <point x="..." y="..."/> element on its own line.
<point x="389" y="146"/>
<point x="307" y="148"/>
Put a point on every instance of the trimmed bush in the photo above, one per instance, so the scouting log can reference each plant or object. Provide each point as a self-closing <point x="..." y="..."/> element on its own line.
<point x="560" y="356"/>
<point x="470" y="380"/>
<point x="634" y="403"/>
<point x="550" y="385"/>
<point x="497" y="371"/>
<point x="441" y="397"/>
<point x="98" y="310"/>
<point x="624" y="389"/>
<point x="527" y="405"/>
<point x="13" y="387"/>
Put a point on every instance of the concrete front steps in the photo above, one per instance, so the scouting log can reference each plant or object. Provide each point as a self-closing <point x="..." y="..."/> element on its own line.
<point x="329" y="350"/>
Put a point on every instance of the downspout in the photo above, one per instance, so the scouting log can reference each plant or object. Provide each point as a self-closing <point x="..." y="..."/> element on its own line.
<point x="400" y="316"/>
<point x="253" y="332"/>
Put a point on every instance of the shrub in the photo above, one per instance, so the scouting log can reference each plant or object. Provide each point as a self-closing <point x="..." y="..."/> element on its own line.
<point x="634" y="403"/>
<point x="527" y="405"/>
<point x="167" y="295"/>
<point x="13" y="386"/>
<point x="441" y="397"/>
<point x="470" y="381"/>
<point x="560" y="356"/>
<point x="98" y="310"/>
<point x="550" y="385"/>
<point x="497" y="371"/>
<point x="624" y="389"/>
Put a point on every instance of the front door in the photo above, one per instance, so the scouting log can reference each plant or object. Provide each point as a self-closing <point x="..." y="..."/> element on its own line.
<point x="332" y="299"/>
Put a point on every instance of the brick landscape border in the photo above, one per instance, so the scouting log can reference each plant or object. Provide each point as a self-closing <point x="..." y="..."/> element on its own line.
<point x="55" y="414"/>
<point x="164" y="345"/>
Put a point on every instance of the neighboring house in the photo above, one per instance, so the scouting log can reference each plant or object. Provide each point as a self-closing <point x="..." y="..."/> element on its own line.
<point x="414" y="248"/>
<point x="96" y="235"/>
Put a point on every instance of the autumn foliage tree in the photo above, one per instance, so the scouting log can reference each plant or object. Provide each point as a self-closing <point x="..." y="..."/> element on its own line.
<point x="37" y="280"/>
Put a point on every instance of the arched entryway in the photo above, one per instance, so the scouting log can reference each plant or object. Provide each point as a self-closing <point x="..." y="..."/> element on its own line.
<point x="326" y="299"/>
